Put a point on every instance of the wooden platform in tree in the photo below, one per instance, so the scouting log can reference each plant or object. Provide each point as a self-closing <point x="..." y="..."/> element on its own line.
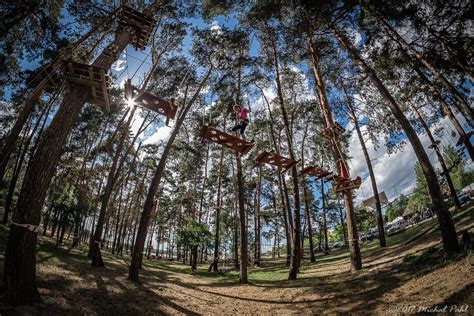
<point x="282" y="163"/>
<point x="315" y="172"/>
<point x="229" y="141"/>
<point x="347" y="184"/>
<point x="334" y="130"/>
<point x="90" y="76"/>
<point x="150" y="101"/>
<point x="141" y="25"/>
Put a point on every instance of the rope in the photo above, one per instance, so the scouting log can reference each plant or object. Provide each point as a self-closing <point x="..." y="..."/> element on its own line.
<point x="143" y="61"/>
<point x="126" y="61"/>
<point x="32" y="228"/>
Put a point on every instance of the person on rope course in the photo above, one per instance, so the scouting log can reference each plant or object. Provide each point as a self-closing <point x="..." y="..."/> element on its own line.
<point x="242" y="119"/>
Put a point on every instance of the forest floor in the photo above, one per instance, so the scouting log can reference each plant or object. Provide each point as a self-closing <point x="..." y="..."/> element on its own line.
<point x="398" y="278"/>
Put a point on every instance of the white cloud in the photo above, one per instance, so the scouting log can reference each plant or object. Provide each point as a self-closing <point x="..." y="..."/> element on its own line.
<point x="161" y="133"/>
<point x="394" y="173"/>
<point x="215" y="28"/>
<point x="120" y="64"/>
<point x="260" y="103"/>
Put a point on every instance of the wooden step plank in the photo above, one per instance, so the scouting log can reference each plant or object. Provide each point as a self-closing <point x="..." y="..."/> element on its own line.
<point x="229" y="141"/>
<point x="281" y="162"/>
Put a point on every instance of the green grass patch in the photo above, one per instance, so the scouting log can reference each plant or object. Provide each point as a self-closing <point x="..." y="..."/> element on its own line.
<point x="186" y="269"/>
<point x="423" y="258"/>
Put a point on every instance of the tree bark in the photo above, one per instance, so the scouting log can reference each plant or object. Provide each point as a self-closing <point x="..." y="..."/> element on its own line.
<point x="218" y="211"/>
<point x="307" y="201"/>
<point x="22" y="149"/>
<point x="325" y="222"/>
<point x="243" y="277"/>
<point x="296" y="233"/>
<point x="257" y="224"/>
<point x="439" y="155"/>
<point x="354" y="248"/>
<point x="111" y="180"/>
<point x="378" y="206"/>
<point x="204" y="182"/>
<point x="194" y="255"/>
<point x="20" y="255"/>
<point x="285" y="204"/>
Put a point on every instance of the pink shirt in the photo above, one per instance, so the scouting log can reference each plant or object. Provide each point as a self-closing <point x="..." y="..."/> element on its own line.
<point x="243" y="114"/>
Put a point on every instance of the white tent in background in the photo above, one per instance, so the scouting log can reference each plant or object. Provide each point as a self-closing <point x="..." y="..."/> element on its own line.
<point x="398" y="219"/>
<point x="370" y="203"/>
<point x="468" y="188"/>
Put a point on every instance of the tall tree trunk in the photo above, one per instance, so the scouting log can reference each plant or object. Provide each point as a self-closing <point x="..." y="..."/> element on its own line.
<point x="439" y="155"/>
<point x="341" y="218"/>
<point x="285" y="203"/>
<point x="235" y="219"/>
<point x="133" y="273"/>
<point x="378" y="206"/>
<point x="448" y="232"/>
<point x="258" y="246"/>
<point x="307" y="201"/>
<point x="204" y="182"/>
<point x="441" y="78"/>
<point x="446" y="110"/>
<point x="20" y="254"/>
<point x="194" y="255"/>
<point x="94" y="214"/>
<point x="218" y="210"/>
<point x="117" y="220"/>
<point x="243" y="277"/>
<point x="295" y="251"/>
<point x="243" y="223"/>
<point x="325" y="222"/>
<point x="22" y="149"/>
<point x="307" y="207"/>
<point x="354" y="248"/>
<point x="112" y="178"/>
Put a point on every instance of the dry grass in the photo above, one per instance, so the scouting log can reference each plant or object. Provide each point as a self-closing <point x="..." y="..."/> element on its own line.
<point x="414" y="275"/>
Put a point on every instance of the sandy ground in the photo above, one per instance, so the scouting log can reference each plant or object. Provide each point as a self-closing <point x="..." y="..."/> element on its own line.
<point x="387" y="283"/>
<point x="325" y="288"/>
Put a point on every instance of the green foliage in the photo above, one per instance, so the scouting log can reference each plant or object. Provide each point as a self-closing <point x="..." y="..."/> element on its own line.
<point x="365" y="219"/>
<point x="194" y="234"/>
<point x="425" y="257"/>
<point x="420" y="199"/>
<point x="396" y="208"/>
<point x="459" y="175"/>
<point x="336" y="234"/>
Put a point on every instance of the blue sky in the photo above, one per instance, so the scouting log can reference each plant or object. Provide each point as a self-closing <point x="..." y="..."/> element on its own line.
<point x="394" y="172"/>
